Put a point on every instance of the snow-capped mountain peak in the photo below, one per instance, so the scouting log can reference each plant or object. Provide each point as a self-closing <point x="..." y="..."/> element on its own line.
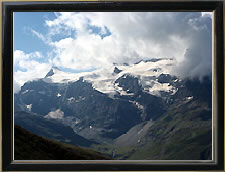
<point x="104" y="80"/>
<point x="53" y="71"/>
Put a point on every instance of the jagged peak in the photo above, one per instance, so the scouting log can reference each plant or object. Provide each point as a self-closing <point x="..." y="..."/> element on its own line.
<point x="116" y="70"/>
<point x="52" y="71"/>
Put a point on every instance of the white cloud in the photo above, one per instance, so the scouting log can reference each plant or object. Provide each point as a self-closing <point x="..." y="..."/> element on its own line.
<point x="198" y="55"/>
<point x="19" y="56"/>
<point x="39" y="35"/>
<point x="68" y="21"/>
<point x="133" y="36"/>
<point x="16" y="86"/>
<point x="45" y="39"/>
<point x="33" y="70"/>
<point x="28" y="68"/>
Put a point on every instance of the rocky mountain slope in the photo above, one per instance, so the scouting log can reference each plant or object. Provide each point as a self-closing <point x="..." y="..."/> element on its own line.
<point x="49" y="128"/>
<point x="183" y="132"/>
<point x="139" y="105"/>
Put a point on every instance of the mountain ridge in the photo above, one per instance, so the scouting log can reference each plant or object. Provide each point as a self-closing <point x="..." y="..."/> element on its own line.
<point x="113" y="105"/>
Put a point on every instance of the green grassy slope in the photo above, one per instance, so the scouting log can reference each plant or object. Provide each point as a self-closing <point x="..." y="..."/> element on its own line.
<point x="183" y="133"/>
<point x="28" y="146"/>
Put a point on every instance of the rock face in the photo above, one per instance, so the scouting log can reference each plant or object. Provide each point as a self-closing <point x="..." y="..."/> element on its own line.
<point x="164" y="78"/>
<point x="185" y="126"/>
<point x="116" y="70"/>
<point x="91" y="113"/>
<point x="52" y="71"/>
<point x="114" y="105"/>
<point x="50" y="128"/>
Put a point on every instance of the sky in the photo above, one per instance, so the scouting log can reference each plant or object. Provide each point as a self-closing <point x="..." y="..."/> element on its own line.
<point x="85" y="41"/>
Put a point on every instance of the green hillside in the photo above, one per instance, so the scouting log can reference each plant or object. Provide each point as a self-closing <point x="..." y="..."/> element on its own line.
<point x="28" y="146"/>
<point x="183" y="133"/>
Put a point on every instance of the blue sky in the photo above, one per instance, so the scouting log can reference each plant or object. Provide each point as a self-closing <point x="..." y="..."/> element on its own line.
<point x="76" y="42"/>
<point x="24" y="22"/>
<point x="23" y="37"/>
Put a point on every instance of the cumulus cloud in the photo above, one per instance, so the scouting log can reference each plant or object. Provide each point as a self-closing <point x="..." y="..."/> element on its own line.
<point x="19" y="55"/>
<point x="33" y="70"/>
<point x="133" y="36"/>
<point x="198" y="55"/>
<point x="90" y="40"/>
<point x="28" y="68"/>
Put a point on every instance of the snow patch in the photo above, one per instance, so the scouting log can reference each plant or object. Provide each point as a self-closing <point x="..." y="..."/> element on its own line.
<point x="58" y="114"/>
<point x="189" y="98"/>
<point x="124" y="93"/>
<point x="157" y="87"/>
<point x="73" y="99"/>
<point x="119" y="88"/>
<point x="29" y="107"/>
<point x="103" y="80"/>
<point x="80" y="99"/>
<point x="24" y="92"/>
<point x="174" y="90"/>
<point x="70" y="99"/>
<point x="139" y="106"/>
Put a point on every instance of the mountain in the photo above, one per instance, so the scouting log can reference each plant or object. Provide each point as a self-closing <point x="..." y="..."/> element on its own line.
<point x="53" y="71"/>
<point x="28" y="146"/>
<point x="111" y="99"/>
<point x="89" y="112"/>
<point x="50" y="128"/>
<point x="183" y="132"/>
<point x="187" y="125"/>
<point x="121" y="107"/>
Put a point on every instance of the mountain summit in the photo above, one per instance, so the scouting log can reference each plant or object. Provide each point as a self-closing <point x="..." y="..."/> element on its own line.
<point x="104" y="79"/>
<point x="52" y="71"/>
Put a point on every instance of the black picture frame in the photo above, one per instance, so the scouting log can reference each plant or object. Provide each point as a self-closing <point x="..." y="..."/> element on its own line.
<point x="7" y="84"/>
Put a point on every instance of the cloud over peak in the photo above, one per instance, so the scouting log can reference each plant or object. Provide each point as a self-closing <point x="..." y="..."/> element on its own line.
<point x="88" y="40"/>
<point x="134" y="36"/>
